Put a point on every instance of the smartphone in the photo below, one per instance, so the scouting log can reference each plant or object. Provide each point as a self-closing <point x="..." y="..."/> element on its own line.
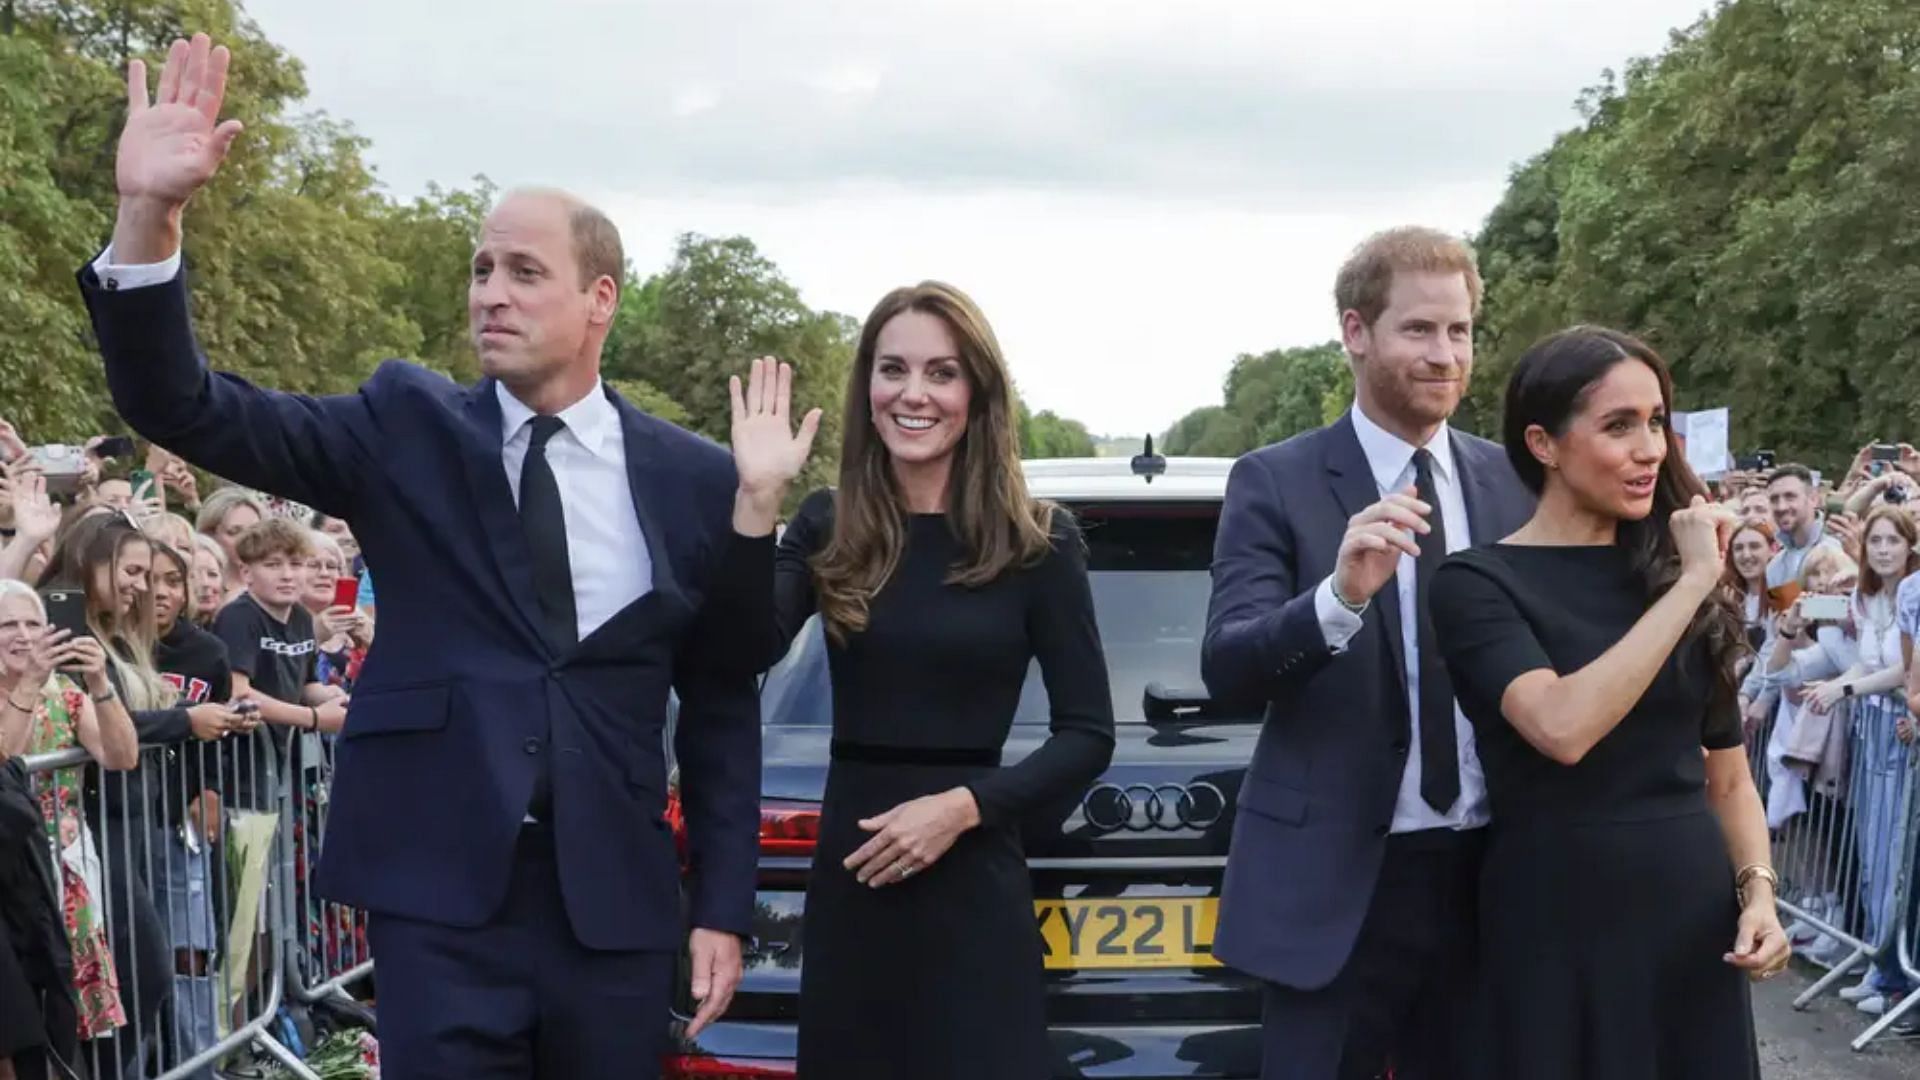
<point x="67" y="610"/>
<point x="1763" y="459"/>
<point x="1823" y="608"/>
<point x="139" y="477"/>
<point x="346" y="592"/>
<point x="116" y="446"/>
<point x="1884" y="452"/>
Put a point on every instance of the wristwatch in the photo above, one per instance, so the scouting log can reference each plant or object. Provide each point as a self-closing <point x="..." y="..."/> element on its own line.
<point x="1846" y="689"/>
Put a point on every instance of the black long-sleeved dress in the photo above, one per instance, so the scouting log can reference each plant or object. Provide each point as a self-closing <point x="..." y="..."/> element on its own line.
<point x="940" y="975"/>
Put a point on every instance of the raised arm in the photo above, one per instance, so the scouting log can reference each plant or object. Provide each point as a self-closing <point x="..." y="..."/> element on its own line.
<point x="1269" y="629"/>
<point x="1490" y="647"/>
<point x="309" y="449"/>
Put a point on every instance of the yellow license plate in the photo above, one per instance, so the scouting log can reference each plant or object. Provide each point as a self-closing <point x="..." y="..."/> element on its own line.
<point x="1082" y="934"/>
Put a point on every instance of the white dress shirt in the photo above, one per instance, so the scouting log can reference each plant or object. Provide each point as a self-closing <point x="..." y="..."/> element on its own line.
<point x="1391" y="460"/>
<point x="606" y="550"/>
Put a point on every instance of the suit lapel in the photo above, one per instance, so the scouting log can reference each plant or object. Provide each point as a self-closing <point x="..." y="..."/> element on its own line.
<point x="1355" y="489"/>
<point x="500" y="532"/>
<point x="1484" y="519"/>
<point x="644" y="469"/>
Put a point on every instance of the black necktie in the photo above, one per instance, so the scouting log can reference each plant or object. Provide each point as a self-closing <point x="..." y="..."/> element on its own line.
<point x="546" y="529"/>
<point x="1439" y="757"/>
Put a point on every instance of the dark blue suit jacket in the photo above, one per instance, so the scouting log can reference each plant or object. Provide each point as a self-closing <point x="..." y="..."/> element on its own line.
<point x="462" y="694"/>
<point x="1319" y="796"/>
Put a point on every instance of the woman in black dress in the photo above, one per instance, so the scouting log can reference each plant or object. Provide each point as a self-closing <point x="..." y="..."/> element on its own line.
<point x="1627" y="893"/>
<point x="939" y="581"/>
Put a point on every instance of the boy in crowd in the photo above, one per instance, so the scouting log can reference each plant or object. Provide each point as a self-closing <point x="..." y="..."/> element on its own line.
<point x="270" y="644"/>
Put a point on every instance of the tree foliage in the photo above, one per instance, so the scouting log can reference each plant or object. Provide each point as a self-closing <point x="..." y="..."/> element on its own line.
<point x="1744" y="201"/>
<point x="306" y="273"/>
<point x="1267" y="397"/>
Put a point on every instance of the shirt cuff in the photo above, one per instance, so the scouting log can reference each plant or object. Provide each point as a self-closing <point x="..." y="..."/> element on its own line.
<point x="115" y="277"/>
<point x="1337" y="623"/>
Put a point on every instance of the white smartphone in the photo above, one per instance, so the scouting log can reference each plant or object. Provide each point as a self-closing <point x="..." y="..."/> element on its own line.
<point x="1823" y="608"/>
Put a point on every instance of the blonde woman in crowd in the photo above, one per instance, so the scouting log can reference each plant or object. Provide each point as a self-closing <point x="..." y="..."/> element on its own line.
<point x="226" y="515"/>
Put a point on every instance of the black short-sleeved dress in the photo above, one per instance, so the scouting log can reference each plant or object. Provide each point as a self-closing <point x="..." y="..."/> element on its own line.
<point x="1607" y="897"/>
<point x="940" y="975"/>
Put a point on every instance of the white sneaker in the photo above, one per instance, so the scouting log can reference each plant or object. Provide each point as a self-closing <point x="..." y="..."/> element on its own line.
<point x="1861" y="990"/>
<point x="1828" y="951"/>
<point x="1874" y="1005"/>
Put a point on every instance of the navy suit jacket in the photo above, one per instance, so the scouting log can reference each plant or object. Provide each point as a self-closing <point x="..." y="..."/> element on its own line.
<point x="1318" y="800"/>
<point x="462" y="694"/>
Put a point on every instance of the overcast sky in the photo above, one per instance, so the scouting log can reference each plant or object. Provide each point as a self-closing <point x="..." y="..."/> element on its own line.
<point x="1135" y="193"/>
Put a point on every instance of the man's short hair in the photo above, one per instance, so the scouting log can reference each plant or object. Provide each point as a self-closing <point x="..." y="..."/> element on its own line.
<point x="274" y="536"/>
<point x="596" y="240"/>
<point x="596" y="246"/>
<point x="1791" y="471"/>
<point x="1366" y="278"/>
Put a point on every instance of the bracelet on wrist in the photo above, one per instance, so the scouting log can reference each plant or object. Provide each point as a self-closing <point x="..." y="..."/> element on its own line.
<point x="1356" y="609"/>
<point x="1746" y="876"/>
<point x="103" y="697"/>
<point x="313" y="718"/>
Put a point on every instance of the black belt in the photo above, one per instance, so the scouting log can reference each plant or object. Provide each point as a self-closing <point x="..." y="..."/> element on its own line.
<point x="875" y="754"/>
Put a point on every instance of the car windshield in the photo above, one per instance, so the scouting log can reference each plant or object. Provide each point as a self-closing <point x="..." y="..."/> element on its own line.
<point x="1147" y="568"/>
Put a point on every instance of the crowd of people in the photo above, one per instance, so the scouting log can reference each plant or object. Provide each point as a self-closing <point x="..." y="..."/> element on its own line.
<point x="1828" y="577"/>
<point x="214" y="631"/>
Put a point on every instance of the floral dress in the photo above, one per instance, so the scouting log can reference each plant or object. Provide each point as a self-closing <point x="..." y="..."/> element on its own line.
<point x="62" y="807"/>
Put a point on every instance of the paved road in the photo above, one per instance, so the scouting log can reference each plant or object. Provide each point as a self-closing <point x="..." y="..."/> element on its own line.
<point x="1812" y="1045"/>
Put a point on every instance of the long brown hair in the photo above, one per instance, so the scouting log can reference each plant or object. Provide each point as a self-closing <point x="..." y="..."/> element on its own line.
<point x="89" y="550"/>
<point x="1549" y="386"/>
<point x="988" y="509"/>
<point x="1871" y="583"/>
<point x="1739" y="585"/>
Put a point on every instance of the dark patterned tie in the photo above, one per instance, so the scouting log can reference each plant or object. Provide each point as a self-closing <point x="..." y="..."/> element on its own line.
<point x="1439" y="756"/>
<point x="545" y="526"/>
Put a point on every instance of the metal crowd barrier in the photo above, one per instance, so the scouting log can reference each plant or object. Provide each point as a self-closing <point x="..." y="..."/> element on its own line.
<point x="202" y="922"/>
<point x="1846" y="859"/>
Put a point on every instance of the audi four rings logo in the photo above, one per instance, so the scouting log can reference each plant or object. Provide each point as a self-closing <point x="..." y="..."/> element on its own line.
<point x="1146" y="807"/>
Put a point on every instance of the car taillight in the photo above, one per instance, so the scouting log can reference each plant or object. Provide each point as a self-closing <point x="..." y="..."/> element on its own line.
<point x="789" y="828"/>
<point x="689" y="1067"/>
<point x="676" y="817"/>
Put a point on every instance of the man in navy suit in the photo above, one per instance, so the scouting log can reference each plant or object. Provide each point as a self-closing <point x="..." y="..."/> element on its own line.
<point x="1350" y="885"/>
<point x="552" y="563"/>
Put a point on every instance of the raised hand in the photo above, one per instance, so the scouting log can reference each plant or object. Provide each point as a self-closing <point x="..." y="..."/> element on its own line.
<point x="1376" y="538"/>
<point x="1701" y="532"/>
<point x="173" y="144"/>
<point x="34" y="515"/>
<point x="766" y="450"/>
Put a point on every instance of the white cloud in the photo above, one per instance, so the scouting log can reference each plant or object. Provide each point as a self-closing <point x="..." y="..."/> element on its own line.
<point x="1134" y="192"/>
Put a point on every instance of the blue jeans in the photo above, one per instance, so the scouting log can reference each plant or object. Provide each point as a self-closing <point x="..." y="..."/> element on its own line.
<point x="1882" y="768"/>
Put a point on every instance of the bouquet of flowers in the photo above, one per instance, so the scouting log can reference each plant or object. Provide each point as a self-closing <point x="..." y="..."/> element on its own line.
<point x="344" y="1055"/>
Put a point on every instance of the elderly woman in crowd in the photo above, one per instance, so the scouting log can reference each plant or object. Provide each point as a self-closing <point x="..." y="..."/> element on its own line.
<point x="226" y="515"/>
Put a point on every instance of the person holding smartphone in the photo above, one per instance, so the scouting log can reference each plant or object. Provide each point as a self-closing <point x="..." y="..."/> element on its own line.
<point x="55" y="695"/>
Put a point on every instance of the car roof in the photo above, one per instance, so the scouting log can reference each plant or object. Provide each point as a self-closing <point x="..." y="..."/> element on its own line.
<point x="1113" y="479"/>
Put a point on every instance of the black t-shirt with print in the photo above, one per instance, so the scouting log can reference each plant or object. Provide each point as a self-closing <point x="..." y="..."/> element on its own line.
<point x="193" y="662"/>
<point x="278" y="660"/>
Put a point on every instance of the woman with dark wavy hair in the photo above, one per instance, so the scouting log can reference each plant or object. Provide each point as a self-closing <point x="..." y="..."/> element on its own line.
<point x="939" y="580"/>
<point x="1627" y="892"/>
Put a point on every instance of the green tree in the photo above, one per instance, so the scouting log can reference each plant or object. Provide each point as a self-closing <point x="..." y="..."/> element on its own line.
<point x="716" y="307"/>
<point x="1744" y="202"/>
<point x="1049" y="435"/>
<point x="1267" y="397"/>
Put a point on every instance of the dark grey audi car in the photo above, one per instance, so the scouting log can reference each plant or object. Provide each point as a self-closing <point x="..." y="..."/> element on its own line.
<point x="1126" y="875"/>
